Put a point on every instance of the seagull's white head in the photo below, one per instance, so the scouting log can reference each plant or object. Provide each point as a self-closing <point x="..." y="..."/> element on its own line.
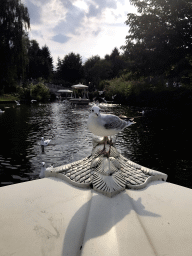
<point x="95" y="111"/>
<point x="42" y="138"/>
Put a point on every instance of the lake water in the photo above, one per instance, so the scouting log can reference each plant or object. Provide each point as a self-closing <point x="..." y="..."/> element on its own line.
<point x="160" y="139"/>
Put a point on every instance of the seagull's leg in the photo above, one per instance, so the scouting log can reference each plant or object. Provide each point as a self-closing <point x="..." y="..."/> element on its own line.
<point x="42" y="148"/>
<point x="105" y="140"/>
<point x="110" y="144"/>
<point x="103" y="151"/>
<point x="110" y="141"/>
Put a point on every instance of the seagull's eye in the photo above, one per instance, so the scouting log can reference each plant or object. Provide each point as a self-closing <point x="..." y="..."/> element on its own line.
<point x="92" y="110"/>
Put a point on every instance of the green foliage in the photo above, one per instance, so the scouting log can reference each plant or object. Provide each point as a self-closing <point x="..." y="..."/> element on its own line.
<point x="69" y="69"/>
<point x="40" y="91"/>
<point x="46" y="65"/>
<point x="118" y="86"/>
<point x="89" y="69"/>
<point x="37" y="91"/>
<point x="124" y="87"/>
<point x="9" y="97"/>
<point x="24" y="93"/>
<point x="159" y="39"/>
<point x="127" y="90"/>
<point x="102" y="85"/>
<point x="14" y="20"/>
<point x="40" y="61"/>
<point x="157" y="50"/>
<point x="147" y="94"/>
<point x="97" y="69"/>
<point x="101" y="70"/>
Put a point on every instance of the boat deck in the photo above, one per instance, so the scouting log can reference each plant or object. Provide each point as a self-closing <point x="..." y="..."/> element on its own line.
<point x="51" y="217"/>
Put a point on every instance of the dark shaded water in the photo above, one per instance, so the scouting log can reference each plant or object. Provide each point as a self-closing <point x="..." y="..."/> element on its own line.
<point x="160" y="140"/>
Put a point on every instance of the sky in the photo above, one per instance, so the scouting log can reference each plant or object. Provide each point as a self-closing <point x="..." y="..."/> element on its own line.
<point x="85" y="27"/>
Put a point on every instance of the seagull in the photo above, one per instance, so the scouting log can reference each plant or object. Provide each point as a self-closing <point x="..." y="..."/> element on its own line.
<point x="44" y="142"/>
<point x="106" y="124"/>
<point x="17" y="102"/>
<point x="33" y="101"/>
<point x="43" y="169"/>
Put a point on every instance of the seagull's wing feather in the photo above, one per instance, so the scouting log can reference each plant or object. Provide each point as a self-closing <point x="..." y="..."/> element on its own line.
<point x="113" y="122"/>
<point x="46" y="142"/>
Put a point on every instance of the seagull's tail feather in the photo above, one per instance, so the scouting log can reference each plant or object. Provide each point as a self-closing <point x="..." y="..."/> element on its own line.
<point x="130" y="122"/>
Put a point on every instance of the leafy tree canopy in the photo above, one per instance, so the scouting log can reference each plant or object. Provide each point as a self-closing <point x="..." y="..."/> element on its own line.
<point x="40" y="61"/>
<point x="89" y="66"/>
<point x="159" y="38"/>
<point x="71" y="68"/>
<point x="14" y="20"/>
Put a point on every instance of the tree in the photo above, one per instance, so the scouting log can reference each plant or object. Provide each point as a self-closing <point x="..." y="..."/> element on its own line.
<point x="71" y="68"/>
<point x="117" y="62"/>
<point x="97" y="69"/>
<point x="102" y="70"/>
<point x="46" y="65"/>
<point x="58" y="65"/>
<point x="14" y="21"/>
<point x="88" y="68"/>
<point x="40" y="61"/>
<point x="114" y="54"/>
<point x="25" y="58"/>
<point x="57" y="78"/>
<point x="34" y="60"/>
<point x="159" y="38"/>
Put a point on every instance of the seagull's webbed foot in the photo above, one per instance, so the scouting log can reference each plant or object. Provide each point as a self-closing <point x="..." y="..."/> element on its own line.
<point x="107" y="154"/>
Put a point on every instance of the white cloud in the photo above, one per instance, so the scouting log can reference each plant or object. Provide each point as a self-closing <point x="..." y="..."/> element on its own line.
<point x="81" y="5"/>
<point x="87" y="27"/>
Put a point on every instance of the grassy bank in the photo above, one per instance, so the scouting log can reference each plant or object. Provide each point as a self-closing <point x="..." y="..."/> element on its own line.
<point x="143" y="94"/>
<point x="8" y="97"/>
<point x="38" y="91"/>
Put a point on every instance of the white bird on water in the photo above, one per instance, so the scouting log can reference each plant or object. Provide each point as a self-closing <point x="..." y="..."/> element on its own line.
<point x="43" y="169"/>
<point x="105" y="124"/>
<point x="17" y="102"/>
<point x="44" y="142"/>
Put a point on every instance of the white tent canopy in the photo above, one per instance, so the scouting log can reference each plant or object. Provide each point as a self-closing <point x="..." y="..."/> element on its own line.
<point x="65" y="91"/>
<point x="79" y="86"/>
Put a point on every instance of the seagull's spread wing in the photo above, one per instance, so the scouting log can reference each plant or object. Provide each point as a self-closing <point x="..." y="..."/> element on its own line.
<point x="113" y="122"/>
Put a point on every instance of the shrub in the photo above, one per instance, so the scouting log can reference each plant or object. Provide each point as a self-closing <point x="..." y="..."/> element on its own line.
<point x="40" y="91"/>
<point x="24" y="93"/>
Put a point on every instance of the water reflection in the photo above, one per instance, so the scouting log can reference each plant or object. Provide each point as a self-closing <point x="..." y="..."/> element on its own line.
<point x="158" y="140"/>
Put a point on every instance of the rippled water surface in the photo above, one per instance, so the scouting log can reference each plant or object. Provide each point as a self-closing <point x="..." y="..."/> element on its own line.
<point x="159" y="140"/>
